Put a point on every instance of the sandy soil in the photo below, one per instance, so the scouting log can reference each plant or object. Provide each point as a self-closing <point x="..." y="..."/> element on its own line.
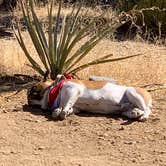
<point x="30" y="137"/>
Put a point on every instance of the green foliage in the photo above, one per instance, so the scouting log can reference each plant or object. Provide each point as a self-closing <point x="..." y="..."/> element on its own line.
<point x="54" y="49"/>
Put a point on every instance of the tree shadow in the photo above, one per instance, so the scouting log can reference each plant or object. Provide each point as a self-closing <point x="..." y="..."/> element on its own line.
<point x="35" y="110"/>
<point x="16" y="82"/>
<point x="38" y="111"/>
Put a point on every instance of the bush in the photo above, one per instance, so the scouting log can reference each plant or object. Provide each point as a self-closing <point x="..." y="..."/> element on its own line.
<point x="54" y="49"/>
<point x="151" y="15"/>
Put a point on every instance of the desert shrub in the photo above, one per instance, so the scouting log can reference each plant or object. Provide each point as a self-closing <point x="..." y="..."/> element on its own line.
<point x="55" y="48"/>
<point x="150" y="15"/>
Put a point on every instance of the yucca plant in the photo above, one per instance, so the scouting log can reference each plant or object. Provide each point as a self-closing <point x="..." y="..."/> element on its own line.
<point x="55" y="49"/>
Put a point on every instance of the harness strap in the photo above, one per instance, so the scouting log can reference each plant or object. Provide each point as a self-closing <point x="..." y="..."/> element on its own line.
<point x="54" y="93"/>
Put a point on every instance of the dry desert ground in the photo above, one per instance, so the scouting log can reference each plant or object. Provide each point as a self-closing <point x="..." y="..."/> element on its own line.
<point x="30" y="137"/>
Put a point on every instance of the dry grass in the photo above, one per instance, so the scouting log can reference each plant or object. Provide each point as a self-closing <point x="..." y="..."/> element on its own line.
<point x="146" y="69"/>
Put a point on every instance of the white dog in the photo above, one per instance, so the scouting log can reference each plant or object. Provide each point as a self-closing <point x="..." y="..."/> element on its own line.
<point x="93" y="96"/>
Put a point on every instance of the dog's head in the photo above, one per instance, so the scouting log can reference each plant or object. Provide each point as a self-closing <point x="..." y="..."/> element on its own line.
<point x="37" y="92"/>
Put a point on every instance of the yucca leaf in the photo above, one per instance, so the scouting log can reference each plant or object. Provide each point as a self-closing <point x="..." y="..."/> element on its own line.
<point x="67" y="29"/>
<point x="40" y="33"/>
<point x="56" y="29"/>
<point x="51" y="39"/>
<point x="62" y="40"/>
<point x="75" y="20"/>
<point x="35" y="65"/>
<point x="64" y="43"/>
<point x="84" y="54"/>
<point x="101" y="61"/>
<point x="56" y="52"/>
<point x="87" y="47"/>
<point x="77" y="35"/>
<point x="34" y="38"/>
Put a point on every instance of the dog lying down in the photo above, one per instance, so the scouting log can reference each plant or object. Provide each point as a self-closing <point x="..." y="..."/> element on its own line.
<point x="72" y="96"/>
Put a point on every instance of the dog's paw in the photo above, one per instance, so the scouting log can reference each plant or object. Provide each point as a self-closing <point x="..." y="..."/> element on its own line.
<point x="133" y="113"/>
<point x="56" y="113"/>
<point x="136" y="113"/>
<point x="62" y="115"/>
<point x="143" y="118"/>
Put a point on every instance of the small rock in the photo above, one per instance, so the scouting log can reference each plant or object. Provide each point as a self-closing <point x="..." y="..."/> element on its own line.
<point x="134" y="160"/>
<point x="37" y="121"/>
<point x="156" y="120"/>
<point x="41" y="148"/>
<point x="13" y="152"/>
<point x="8" y="100"/>
<point x="17" y="108"/>
<point x="121" y="128"/>
<point x="112" y="142"/>
<point x="4" y="110"/>
<point x="129" y="142"/>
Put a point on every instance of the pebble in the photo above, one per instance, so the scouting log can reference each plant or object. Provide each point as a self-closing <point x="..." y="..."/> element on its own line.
<point x="4" y="110"/>
<point x="41" y="148"/>
<point x="130" y="142"/>
<point x="121" y="128"/>
<point x="134" y="160"/>
<point x="17" y="108"/>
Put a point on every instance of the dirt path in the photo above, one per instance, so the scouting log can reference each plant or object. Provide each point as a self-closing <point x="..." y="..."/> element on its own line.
<point x="29" y="137"/>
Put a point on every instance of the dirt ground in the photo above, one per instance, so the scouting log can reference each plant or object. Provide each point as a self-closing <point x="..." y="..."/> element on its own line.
<point x="30" y="137"/>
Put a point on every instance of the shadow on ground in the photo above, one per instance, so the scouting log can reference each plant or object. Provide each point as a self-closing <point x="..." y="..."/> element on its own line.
<point x="35" y="110"/>
<point x="16" y="82"/>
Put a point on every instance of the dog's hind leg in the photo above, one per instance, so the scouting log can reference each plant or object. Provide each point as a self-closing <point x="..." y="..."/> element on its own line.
<point x="141" y="109"/>
<point x="133" y="113"/>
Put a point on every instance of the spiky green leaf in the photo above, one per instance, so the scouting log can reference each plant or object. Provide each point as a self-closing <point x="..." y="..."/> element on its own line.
<point x="101" y="61"/>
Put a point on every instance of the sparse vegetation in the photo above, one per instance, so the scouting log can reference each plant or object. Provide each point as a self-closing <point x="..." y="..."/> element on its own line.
<point x="56" y="53"/>
<point x="30" y="137"/>
<point x="147" y="15"/>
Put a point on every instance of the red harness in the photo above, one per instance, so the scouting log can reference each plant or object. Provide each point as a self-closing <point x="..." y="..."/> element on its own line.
<point x="54" y="93"/>
<point x="56" y="89"/>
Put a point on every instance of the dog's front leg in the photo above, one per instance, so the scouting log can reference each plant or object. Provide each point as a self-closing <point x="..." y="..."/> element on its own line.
<point x="71" y="96"/>
<point x="68" y="98"/>
<point x="56" y="112"/>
